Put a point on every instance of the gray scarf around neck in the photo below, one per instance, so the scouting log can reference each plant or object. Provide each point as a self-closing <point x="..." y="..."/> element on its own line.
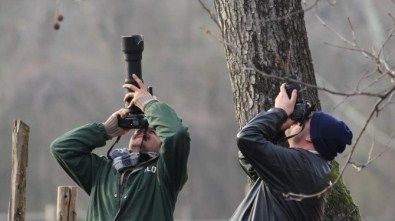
<point x="123" y="159"/>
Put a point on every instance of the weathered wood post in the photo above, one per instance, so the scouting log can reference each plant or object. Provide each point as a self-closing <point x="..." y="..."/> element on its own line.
<point x="20" y="141"/>
<point x="67" y="201"/>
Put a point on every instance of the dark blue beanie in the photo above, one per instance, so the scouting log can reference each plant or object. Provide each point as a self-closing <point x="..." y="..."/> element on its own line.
<point x="329" y="135"/>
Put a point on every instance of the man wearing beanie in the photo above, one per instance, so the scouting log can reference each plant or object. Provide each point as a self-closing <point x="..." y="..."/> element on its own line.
<point x="304" y="168"/>
<point x="137" y="183"/>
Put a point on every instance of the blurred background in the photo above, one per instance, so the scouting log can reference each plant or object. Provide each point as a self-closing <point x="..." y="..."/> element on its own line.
<point x="57" y="80"/>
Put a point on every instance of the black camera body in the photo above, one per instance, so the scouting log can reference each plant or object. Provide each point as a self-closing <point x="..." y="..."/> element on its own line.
<point x="133" y="47"/>
<point x="302" y="108"/>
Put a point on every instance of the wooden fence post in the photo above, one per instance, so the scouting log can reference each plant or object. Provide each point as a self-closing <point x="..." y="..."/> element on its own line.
<point x="67" y="201"/>
<point x="20" y="141"/>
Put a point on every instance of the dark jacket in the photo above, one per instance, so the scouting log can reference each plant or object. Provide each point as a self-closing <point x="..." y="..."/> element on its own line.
<point x="147" y="192"/>
<point x="277" y="170"/>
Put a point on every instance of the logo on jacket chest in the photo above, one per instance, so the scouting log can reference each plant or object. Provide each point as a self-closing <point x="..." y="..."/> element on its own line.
<point x="151" y="169"/>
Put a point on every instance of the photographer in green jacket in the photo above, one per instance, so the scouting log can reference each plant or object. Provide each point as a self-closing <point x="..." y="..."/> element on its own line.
<point x="140" y="182"/>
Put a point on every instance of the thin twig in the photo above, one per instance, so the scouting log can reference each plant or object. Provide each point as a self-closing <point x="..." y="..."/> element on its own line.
<point x="360" y="167"/>
<point x="360" y="93"/>
<point x="212" y="16"/>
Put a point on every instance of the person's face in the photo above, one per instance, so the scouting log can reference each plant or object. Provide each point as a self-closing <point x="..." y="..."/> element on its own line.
<point x="151" y="144"/>
<point x="302" y="133"/>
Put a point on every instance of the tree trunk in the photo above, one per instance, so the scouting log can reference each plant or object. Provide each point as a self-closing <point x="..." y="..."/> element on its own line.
<point x="268" y="37"/>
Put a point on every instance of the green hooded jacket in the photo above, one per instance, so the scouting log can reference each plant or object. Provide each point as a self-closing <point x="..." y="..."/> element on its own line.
<point x="147" y="192"/>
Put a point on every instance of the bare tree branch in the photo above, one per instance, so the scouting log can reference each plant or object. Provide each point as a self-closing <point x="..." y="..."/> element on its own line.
<point x="360" y="167"/>
<point x="212" y="16"/>
<point x="381" y="64"/>
<point x="357" y="93"/>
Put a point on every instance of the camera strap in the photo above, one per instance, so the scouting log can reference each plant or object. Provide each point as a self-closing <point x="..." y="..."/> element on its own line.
<point x="290" y="136"/>
<point x="112" y="146"/>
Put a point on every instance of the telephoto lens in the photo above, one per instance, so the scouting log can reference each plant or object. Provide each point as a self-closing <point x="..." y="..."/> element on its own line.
<point x="133" y="47"/>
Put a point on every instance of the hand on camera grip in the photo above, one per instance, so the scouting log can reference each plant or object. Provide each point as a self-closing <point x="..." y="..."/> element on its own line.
<point x="111" y="124"/>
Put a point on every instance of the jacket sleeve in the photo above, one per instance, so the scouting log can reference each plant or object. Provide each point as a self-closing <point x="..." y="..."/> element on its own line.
<point x="247" y="167"/>
<point x="271" y="162"/>
<point x="73" y="151"/>
<point x="175" y="144"/>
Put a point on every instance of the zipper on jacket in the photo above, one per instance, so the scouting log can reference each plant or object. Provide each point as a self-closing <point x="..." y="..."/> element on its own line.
<point x="122" y="184"/>
<point x="121" y="188"/>
<point x="119" y="198"/>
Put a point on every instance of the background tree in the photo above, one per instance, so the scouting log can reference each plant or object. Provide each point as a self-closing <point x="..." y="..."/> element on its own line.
<point x="268" y="38"/>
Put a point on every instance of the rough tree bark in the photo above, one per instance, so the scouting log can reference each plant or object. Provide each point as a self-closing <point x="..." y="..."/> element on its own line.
<point x="270" y="36"/>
